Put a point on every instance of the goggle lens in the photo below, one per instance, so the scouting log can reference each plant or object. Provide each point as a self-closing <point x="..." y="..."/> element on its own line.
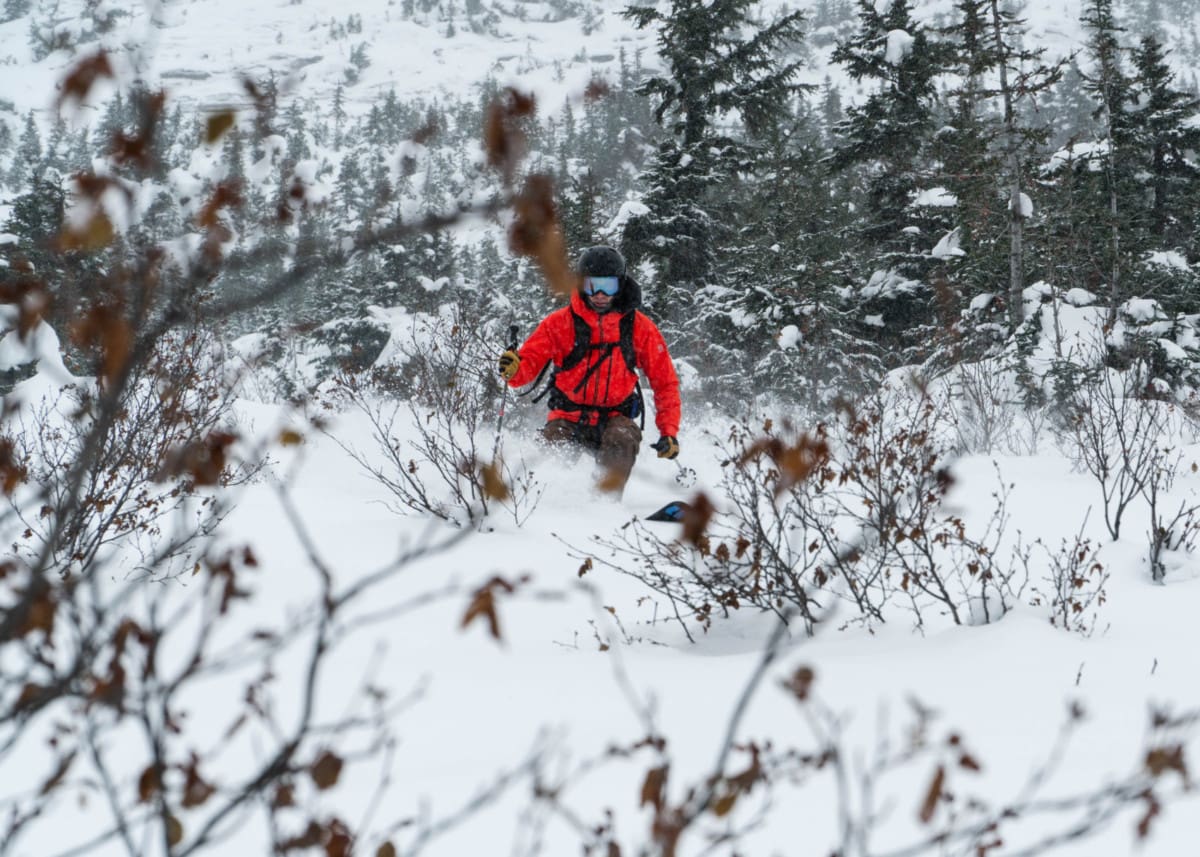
<point x="601" y="285"/>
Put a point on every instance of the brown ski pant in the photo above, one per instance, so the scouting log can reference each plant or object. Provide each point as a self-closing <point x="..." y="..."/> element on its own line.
<point x="616" y="446"/>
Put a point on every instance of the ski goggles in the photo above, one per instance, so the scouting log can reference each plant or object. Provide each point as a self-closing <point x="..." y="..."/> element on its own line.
<point x="601" y="285"/>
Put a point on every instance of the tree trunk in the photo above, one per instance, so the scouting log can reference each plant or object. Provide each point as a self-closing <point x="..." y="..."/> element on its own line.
<point x="1016" y="214"/>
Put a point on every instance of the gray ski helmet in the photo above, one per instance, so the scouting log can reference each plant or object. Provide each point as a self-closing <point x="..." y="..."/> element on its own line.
<point x="601" y="261"/>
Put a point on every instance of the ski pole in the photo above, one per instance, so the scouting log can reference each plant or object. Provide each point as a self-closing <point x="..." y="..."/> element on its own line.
<point x="512" y="346"/>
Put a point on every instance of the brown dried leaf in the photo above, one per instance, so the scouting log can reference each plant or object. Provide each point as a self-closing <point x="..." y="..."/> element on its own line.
<point x="504" y="141"/>
<point x="724" y="804"/>
<point x="174" y="830"/>
<point x="427" y="131"/>
<point x="148" y="784"/>
<point x="106" y="329"/>
<point x="290" y="437"/>
<point x="586" y="567"/>
<point x="312" y="836"/>
<point x="326" y="770"/>
<point x="1153" y="810"/>
<point x="696" y="519"/>
<point x="42" y="612"/>
<point x="203" y="461"/>
<point x="338" y="841"/>
<point x="227" y="195"/>
<point x="138" y="148"/>
<point x="933" y="795"/>
<point x="96" y="234"/>
<point x="652" y="787"/>
<point x="387" y="849"/>
<point x="1162" y="759"/>
<point x="800" y="684"/>
<point x="30" y="693"/>
<point x="83" y="77"/>
<point x="494" y="486"/>
<point x="217" y="125"/>
<point x="536" y="233"/>
<point x="597" y="88"/>
<point x="284" y="796"/>
<point x="196" y="791"/>
<point x="483" y="605"/>
<point x="12" y="472"/>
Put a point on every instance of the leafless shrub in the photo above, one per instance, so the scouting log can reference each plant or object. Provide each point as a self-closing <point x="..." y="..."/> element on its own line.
<point x="154" y="480"/>
<point x="1170" y="531"/>
<point x="435" y="448"/>
<point x="980" y="407"/>
<point x="1116" y="436"/>
<point x="1075" y="582"/>
<point x="103" y="667"/>
<point x="851" y="512"/>
<point x="956" y="809"/>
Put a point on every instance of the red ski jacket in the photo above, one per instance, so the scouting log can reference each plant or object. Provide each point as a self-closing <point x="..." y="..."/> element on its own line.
<point x="610" y="384"/>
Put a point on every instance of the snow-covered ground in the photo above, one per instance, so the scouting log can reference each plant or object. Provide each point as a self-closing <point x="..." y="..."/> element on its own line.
<point x="590" y="661"/>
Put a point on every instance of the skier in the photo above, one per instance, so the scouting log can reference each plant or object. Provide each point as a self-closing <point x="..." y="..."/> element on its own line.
<point x="596" y="345"/>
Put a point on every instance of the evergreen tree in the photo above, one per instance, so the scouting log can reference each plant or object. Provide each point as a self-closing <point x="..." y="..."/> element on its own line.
<point x="1165" y="130"/>
<point x="782" y="321"/>
<point x="884" y="142"/>
<point x="339" y="115"/>
<point x="718" y="61"/>
<point x="14" y="9"/>
<point x="887" y="134"/>
<point x="1068" y="107"/>
<point x="989" y="152"/>
<point x="27" y="162"/>
<point x="349" y="186"/>
<point x="1112" y="91"/>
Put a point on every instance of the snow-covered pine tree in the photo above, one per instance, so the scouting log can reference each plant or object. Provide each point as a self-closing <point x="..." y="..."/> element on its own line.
<point x="884" y="143"/>
<point x="1165" y="135"/>
<point x="994" y="137"/>
<point x="1111" y="90"/>
<point x="27" y="161"/>
<point x="781" y="323"/>
<point x="719" y="61"/>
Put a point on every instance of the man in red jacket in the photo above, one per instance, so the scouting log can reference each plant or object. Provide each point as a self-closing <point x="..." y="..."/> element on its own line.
<point x="597" y="344"/>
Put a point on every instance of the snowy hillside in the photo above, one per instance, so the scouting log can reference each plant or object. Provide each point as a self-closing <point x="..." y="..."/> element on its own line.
<point x="200" y="51"/>
<point x="287" y="570"/>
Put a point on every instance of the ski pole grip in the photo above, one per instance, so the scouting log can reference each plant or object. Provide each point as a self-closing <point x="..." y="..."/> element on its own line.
<point x="512" y="337"/>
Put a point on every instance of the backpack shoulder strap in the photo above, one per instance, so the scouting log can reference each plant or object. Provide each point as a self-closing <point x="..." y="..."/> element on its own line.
<point x="626" y="339"/>
<point x="582" y="344"/>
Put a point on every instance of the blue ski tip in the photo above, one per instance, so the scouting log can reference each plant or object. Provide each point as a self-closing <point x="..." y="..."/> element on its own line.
<point x="674" y="512"/>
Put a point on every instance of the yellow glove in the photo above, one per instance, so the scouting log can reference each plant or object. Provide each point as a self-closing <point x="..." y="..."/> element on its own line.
<point x="510" y="362"/>
<point x="667" y="446"/>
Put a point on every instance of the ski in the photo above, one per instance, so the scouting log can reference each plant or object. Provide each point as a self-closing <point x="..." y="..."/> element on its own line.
<point x="672" y="512"/>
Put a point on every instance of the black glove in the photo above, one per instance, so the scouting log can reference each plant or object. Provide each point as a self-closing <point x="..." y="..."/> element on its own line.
<point x="667" y="446"/>
<point x="509" y="362"/>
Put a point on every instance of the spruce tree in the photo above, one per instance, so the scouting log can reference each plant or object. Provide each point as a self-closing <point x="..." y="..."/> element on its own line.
<point x="884" y="143"/>
<point x="719" y="61"/>
<point x="992" y="145"/>
<point x="888" y="133"/>
<point x="1163" y="134"/>
<point x="27" y="162"/>
<point x="1112" y="91"/>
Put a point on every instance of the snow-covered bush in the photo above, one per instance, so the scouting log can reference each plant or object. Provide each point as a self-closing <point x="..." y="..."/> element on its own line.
<point x="1074" y="582"/>
<point x="850" y="512"/>
<point x="432" y="403"/>
<point x="145" y="486"/>
<point x="1116" y="434"/>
